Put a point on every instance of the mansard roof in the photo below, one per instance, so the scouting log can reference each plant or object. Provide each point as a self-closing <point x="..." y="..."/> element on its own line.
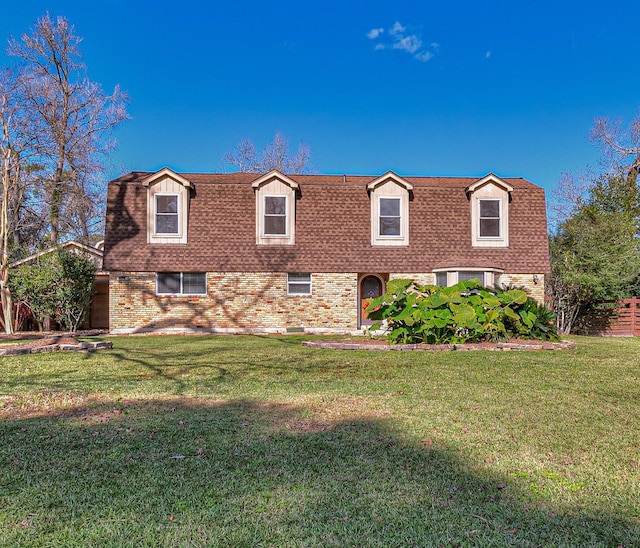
<point x="332" y="226"/>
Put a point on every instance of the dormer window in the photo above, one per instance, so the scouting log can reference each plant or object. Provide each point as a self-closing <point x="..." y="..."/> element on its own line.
<point x="275" y="209"/>
<point x="167" y="207"/>
<point x="275" y="215"/>
<point x="390" y="221"/>
<point x="389" y="196"/>
<point x="489" y="218"/>
<point x="489" y="202"/>
<point x="167" y="216"/>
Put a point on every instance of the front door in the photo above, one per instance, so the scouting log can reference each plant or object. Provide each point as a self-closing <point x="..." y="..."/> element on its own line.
<point x="370" y="287"/>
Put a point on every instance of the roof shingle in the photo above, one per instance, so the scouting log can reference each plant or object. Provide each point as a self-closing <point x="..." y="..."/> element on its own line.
<point x="332" y="228"/>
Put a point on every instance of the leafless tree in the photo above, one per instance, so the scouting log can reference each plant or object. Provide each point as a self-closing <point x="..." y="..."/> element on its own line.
<point x="275" y="156"/>
<point x="73" y="118"/>
<point x="16" y="147"/>
<point x="620" y="146"/>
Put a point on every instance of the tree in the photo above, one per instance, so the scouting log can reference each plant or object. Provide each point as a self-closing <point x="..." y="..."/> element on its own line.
<point x="73" y="119"/>
<point x="16" y="146"/>
<point x="620" y="147"/>
<point x="594" y="246"/>
<point x="275" y="156"/>
<point x="595" y="253"/>
<point x="73" y="294"/>
<point x="58" y="285"/>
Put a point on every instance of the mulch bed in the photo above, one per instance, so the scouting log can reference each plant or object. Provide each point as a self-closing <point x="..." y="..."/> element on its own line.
<point x="382" y="345"/>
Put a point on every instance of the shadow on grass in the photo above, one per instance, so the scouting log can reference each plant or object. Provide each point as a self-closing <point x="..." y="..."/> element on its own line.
<point x="217" y="359"/>
<point x="244" y="473"/>
<point x="174" y="364"/>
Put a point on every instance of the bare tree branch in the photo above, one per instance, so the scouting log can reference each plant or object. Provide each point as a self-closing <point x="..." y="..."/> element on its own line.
<point x="74" y="117"/>
<point x="275" y="156"/>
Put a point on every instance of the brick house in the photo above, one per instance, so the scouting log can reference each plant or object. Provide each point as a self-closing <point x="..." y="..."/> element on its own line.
<point x="243" y="252"/>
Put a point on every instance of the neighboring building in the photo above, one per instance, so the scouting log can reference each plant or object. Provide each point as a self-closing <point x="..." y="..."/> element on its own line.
<point x="240" y="252"/>
<point x="98" y="316"/>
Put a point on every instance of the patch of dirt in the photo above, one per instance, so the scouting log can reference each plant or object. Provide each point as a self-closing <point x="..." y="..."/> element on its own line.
<point x="47" y="341"/>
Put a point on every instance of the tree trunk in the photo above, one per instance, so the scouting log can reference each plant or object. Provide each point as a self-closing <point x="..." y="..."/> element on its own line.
<point x="7" y="307"/>
<point x="5" y="294"/>
<point x="56" y="199"/>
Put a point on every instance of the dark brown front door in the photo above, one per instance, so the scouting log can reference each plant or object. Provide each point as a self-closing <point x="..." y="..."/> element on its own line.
<point x="370" y="287"/>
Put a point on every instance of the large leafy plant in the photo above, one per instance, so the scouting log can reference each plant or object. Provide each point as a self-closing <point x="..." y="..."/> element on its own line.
<point x="465" y="312"/>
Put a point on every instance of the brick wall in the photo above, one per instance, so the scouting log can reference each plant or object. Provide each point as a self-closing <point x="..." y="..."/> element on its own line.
<point x="254" y="300"/>
<point x="534" y="290"/>
<point x="234" y="301"/>
<point x="425" y="278"/>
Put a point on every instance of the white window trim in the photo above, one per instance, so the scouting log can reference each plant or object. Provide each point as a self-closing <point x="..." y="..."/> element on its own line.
<point x="181" y="294"/>
<point x="297" y="282"/>
<point x="155" y="216"/>
<point x="276" y="184"/>
<point x="489" y="188"/>
<point x="500" y="237"/>
<point x="381" y="236"/>
<point x="490" y="276"/>
<point x="263" y="227"/>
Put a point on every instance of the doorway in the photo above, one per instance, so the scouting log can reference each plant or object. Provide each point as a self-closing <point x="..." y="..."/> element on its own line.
<point x="371" y="286"/>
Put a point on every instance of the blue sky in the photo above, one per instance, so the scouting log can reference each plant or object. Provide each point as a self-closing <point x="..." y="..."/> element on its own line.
<point x="451" y="87"/>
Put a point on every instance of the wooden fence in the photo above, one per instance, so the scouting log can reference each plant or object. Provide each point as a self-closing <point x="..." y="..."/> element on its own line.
<point x="614" y="319"/>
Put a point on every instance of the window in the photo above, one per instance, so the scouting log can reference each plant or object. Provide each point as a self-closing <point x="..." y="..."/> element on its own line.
<point x="276" y="197"/>
<point x="275" y="215"/>
<point x="465" y="275"/>
<point x="389" y="197"/>
<point x="441" y="279"/>
<point x="452" y="277"/>
<point x="166" y="214"/>
<point x="298" y="283"/>
<point x="489" y="200"/>
<point x="489" y="218"/>
<point x="168" y="195"/>
<point x="390" y="218"/>
<point x="181" y="283"/>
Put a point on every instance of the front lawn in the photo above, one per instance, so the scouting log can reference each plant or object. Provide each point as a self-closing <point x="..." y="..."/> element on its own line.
<point x="258" y="441"/>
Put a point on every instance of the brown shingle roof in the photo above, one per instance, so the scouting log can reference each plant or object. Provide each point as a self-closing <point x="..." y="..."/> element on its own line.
<point x="332" y="228"/>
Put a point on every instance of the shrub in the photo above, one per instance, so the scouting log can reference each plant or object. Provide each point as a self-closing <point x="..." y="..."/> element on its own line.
<point x="465" y="312"/>
<point x="57" y="286"/>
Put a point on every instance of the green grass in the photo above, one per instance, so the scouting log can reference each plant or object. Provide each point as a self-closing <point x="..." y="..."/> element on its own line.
<point x="258" y="441"/>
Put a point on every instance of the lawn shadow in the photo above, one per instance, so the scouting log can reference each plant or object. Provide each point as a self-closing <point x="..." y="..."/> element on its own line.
<point x="247" y="473"/>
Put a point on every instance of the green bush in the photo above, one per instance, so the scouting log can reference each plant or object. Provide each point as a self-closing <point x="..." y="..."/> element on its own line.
<point x="465" y="312"/>
<point x="58" y="286"/>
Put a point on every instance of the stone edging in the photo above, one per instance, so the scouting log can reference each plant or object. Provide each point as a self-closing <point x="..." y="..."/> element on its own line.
<point x="14" y="350"/>
<point x="384" y="347"/>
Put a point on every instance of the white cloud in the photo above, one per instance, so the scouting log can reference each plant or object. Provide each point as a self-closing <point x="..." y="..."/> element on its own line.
<point x="424" y="56"/>
<point x="408" y="43"/>
<point x="397" y="29"/>
<point x="400" y="40"/>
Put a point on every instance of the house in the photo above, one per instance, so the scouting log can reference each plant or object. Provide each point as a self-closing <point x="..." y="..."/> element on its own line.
<point x="98" y="316"/>
<point x="243" y="252"/>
